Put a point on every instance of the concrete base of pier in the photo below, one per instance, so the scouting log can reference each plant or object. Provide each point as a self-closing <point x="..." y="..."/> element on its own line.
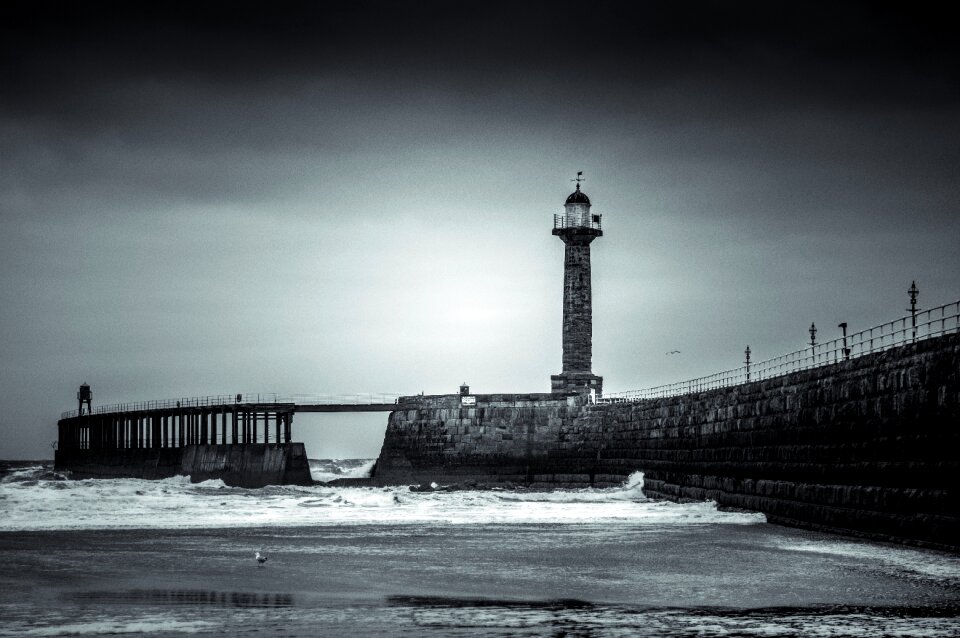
<point x="242" y="465"/>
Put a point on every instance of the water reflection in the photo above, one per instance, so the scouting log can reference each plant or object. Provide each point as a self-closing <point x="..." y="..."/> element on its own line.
<point x="187" y="597"/>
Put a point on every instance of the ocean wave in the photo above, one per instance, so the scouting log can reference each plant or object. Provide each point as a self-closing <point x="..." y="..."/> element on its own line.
<point x="325" y="470"/>
<point x="31" y="502"/>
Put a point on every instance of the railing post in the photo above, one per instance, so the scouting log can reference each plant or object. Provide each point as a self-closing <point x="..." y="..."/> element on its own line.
<point x="846" y="350"/>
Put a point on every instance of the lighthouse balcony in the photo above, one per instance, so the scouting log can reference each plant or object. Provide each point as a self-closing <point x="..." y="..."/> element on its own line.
<point x="562" y="222"/>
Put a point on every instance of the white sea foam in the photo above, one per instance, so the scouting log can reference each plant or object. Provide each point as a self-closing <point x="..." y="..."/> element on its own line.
<point x="331" y="469"/>
<point x="145" y="624"/>
<point x="907" y="561"/>
<point x="48" y="504"/>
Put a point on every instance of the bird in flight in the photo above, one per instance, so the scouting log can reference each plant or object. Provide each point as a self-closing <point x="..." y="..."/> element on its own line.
<point x="674" y="352"/>
<point x="261" y="559"/>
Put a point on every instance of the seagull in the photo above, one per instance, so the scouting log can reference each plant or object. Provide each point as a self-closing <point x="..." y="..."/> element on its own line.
<point x="261" y="560"/>
<point x="674" y="352"/>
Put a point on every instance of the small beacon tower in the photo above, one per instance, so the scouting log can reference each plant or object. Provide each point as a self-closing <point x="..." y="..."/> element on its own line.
<point x="577" y="227"/>
<point x="84" y="395"/>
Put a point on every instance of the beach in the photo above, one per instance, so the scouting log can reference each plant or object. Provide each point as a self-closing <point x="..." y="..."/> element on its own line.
<point x="387" y="561"/>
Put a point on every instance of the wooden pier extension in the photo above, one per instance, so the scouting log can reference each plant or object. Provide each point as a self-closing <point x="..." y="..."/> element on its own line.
<point x="245" y="444"/>
<point x="178" y="426"/>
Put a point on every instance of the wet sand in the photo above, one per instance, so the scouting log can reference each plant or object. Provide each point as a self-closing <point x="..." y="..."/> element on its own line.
<point x="493" y="580"/>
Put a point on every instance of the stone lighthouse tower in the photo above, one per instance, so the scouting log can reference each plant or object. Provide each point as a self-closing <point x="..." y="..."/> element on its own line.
<point x="577" y="227"/>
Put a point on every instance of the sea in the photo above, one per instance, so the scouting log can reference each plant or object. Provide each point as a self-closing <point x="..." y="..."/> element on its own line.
<point x="174" y="558"/>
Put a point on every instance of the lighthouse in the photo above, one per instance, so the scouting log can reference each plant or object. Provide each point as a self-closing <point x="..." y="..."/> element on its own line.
<point x="577" y="227"/>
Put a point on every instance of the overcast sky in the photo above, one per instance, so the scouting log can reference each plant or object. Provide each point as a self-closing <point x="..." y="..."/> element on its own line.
<point x="359" y="198"/>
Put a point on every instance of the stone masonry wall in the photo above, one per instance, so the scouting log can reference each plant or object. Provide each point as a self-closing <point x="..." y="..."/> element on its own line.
<point x="868" y="446"/>
<point x="508" y="438"/>
<point x="577" y="308"/>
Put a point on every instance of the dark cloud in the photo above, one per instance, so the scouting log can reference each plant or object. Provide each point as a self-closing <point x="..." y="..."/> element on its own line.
<point x="205" y="197"/>
<point x="864" y="51"/>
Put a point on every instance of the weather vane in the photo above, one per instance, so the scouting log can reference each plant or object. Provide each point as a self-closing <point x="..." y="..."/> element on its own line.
<point x="579" y="178"/>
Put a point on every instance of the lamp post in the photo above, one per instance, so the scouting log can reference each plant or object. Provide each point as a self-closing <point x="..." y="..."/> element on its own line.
<point x="813" y="343"/>
<point x="747" y="361"/>
<point x="913" y="292"/>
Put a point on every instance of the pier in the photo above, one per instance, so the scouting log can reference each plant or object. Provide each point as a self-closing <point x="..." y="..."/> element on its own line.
<point x="243" y="439"/>
<point x="210" y="420"/>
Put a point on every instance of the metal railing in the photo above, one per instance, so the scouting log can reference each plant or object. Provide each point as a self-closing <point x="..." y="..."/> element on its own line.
<point x="560" y="222"/>
<point x="345" y="399"/>
<point x="911" y="328"/>
<point x="234" y="399"/>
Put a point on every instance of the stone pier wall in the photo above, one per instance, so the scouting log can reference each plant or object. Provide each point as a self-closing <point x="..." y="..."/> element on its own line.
<point x="869" y="446"/>
<point x="503" y="438"/>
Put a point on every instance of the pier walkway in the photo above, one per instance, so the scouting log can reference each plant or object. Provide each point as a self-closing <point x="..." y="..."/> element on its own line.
<point x="210" y="420"/>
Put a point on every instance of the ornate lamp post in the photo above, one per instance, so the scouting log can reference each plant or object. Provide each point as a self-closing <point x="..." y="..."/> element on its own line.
<point x="813" y="343"/>
<point x="913" y="292"/>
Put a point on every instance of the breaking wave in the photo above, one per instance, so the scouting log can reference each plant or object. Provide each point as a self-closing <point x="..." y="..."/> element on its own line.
<point x="325" y="470"/>
<point x="34" y="498"/>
